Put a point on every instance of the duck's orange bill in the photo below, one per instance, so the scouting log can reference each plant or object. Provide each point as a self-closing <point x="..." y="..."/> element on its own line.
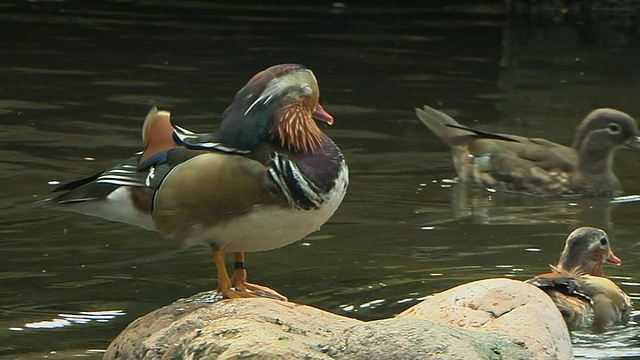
<point x="322" y="114"/>
<point x="613" y="258"/>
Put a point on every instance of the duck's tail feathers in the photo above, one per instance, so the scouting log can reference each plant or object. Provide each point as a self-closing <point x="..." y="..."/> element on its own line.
<point x="450" y="131"/>
<point x="483" y="134"/>
<point x="438" y="122"/>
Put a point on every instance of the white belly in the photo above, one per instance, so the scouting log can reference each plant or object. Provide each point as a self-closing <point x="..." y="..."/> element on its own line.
<point x="269" y="227"/>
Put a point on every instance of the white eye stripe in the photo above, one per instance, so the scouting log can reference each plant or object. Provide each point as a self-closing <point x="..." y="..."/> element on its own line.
<point x="290" y="84"/>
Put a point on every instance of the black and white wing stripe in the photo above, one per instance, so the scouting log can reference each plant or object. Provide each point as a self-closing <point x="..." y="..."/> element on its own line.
<point x="300" y="192"/>
<point x="124" y="174"/>
<point x="195" y="141"/>
<point x="99" y="186"/>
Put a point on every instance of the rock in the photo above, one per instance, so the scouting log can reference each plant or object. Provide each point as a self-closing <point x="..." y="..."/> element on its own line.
<point x="484" y="320"/>
<point x="411" y="338"/>
<point x="202" y="328"/>
<point x="502" y="306"/>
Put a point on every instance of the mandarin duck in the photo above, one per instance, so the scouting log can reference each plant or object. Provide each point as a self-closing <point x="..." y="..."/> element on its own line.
<point x="537" y="166"/>
<point x="266" y="178"/>
<point x="578" y="286"/>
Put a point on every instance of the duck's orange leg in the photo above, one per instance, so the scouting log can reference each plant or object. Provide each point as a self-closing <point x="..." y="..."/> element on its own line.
<point x="224" y="282"/>
<point x="237" y="286"/>
<point x="239" y="281"/>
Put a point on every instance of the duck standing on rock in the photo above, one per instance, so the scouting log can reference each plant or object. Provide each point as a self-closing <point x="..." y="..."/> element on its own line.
<point x="266" y="178"/>
<point x="578" y="286"/>
<point x="538" y="166"/>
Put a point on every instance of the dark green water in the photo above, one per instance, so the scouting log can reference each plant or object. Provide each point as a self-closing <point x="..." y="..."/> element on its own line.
<point x="77" y="79"/>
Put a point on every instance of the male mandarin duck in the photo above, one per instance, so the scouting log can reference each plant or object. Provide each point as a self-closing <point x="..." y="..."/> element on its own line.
<point x="538" y="166"/>
<point x="266" y="178"/>
<point x="578" y="286"/>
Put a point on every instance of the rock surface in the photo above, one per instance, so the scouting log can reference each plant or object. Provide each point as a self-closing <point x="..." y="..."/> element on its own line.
<point x="518" y="320"/>
<point x="202" y="328"/>
<point x="503" y="306"/>
<point x="411" y="338"/>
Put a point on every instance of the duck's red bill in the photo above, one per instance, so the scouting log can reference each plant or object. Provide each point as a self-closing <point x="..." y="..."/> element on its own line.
<point x="613" y="259"/>
<point x="322" y="114"/>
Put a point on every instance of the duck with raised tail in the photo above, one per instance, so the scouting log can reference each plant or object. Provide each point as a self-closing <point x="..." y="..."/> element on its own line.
<point x="578" y="285"/>
<point x="266" y="178"/>
<point x="537" y="166"/>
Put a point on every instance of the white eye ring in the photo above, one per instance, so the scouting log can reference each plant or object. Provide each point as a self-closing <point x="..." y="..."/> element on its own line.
<point x="614" y="128"/>
<point x="307" y="90"/>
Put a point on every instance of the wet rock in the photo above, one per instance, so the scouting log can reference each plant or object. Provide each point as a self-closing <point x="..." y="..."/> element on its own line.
<point x="501" y="306"/>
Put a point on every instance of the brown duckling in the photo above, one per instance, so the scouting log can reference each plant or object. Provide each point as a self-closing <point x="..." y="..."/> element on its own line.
<point x="578" y="286"/>
<point x="538" y="166"/>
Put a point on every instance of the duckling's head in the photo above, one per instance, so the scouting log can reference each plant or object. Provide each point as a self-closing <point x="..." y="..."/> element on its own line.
<point x="586" y="250"/>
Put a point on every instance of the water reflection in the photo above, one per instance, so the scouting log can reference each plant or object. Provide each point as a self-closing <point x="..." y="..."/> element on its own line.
<point x="490" y="207"/>
<point x="83" y="317"/>
<point x="77" y="84"/>
<point x="621" y="342"/>
<point x="574" y="23"/>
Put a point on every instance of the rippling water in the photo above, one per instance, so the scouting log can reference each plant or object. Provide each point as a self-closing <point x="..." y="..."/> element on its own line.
<point x="76" y="83"/>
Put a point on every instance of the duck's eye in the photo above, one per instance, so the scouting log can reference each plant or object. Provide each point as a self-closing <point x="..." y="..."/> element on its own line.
<point x="614" y="128"/>
<point x="307" y="90"/>
<point x="603" y="241"/>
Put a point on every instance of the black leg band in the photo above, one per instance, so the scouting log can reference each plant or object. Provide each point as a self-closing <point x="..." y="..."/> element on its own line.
<point x="239" y="265"/>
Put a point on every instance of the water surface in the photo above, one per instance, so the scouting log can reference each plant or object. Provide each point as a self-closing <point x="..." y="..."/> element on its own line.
<point x="76" y="83"/>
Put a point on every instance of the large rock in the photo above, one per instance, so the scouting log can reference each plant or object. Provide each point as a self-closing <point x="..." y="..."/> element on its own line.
<point x="502" y="306"/>
<point x="202" y="328"/>
<point x="410" y="338"/>
<point x="491" y="319"/>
